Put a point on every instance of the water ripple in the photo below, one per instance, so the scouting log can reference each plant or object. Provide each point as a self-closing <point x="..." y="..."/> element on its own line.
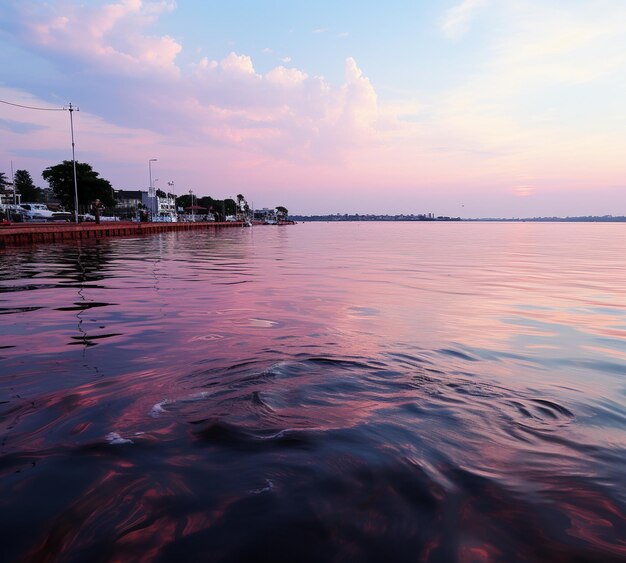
<point x="327" y="392"/>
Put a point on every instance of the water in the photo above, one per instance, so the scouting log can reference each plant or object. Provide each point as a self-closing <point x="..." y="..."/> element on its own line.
<point x="319" y="392"/>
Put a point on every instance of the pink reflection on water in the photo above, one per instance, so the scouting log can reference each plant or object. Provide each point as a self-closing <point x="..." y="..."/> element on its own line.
<point x="342" y="351"/>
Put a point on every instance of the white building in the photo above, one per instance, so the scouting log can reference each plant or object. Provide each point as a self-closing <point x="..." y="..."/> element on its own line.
<point x="8" y="196"/>
<point x="160" y="208"/>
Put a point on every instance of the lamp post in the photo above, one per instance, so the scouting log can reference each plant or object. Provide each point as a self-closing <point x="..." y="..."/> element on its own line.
<point x="151" y="193"/>
<point x="173" y="210"/>
<point x="157" y="207"/>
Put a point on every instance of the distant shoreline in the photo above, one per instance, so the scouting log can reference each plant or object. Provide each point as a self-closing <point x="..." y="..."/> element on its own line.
<point x="421" y="218"/>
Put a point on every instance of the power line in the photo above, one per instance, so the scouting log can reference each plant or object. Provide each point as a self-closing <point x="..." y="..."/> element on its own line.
<point x="71" y="109"/>
<point x="31" y="107"/>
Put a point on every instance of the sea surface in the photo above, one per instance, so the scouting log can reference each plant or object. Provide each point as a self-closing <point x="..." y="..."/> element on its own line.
<point x="317" y="392"/>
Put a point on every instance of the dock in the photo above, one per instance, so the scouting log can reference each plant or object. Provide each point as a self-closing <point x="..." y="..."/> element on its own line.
<point x="34" y="233"/>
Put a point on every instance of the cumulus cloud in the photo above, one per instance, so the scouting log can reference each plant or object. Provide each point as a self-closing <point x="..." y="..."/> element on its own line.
<point x="360" y="110"/>
<point x="283" y="113"/>
<point x="282" y="75"/>
<point x="235" y="63"/>
<point x="103" y="38"/>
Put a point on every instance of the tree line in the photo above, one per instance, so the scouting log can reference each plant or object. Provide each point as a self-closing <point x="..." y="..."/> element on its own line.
<point x="23" y="183"/>
<point x="60" y="178"/>
<point x="92" y="186"/>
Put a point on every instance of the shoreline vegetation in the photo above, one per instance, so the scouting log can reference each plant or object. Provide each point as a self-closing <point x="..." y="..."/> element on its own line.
<point x="77" y="189"/>
<point x="357" y="217"/>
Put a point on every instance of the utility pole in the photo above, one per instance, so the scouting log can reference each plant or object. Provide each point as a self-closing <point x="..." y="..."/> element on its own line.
<point x="151" y="192"/>
<point x="71" y="110"/>
<point x="13" y="180"/>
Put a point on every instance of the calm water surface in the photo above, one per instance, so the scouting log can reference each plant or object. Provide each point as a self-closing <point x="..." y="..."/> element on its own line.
<point x="320" y="392"/>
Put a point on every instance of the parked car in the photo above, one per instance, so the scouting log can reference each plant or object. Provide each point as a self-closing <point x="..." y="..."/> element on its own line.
<point x="62" y="216"/>
<point x="36" y="212"/>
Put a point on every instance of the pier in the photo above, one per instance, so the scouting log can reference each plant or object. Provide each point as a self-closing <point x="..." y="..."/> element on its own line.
<point x="33" y="233"/>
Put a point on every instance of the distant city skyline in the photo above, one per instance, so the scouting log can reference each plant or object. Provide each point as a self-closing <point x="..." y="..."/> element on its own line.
<point x="470" y="108"/>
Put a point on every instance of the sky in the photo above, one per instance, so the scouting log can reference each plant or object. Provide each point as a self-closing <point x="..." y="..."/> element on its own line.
<point x="471" y="108"/>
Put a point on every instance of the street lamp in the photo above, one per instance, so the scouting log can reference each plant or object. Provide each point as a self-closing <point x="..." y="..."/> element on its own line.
<point x="151" y="192"/>
<point x="173" y="210"/>
<point x="157" y="207"/>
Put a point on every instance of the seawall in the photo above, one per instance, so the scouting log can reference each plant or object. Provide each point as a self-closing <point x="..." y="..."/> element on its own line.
<point x="33" y="233"/>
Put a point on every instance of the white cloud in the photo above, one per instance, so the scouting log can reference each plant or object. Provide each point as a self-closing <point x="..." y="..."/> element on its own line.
<point x="237" y="63"/>
<point x="361" y="103"/>
<point x="458" y="18"/>
<point x="284" y="113"/>
<point x="282" y="75"/>
<point x="104" y="38"/>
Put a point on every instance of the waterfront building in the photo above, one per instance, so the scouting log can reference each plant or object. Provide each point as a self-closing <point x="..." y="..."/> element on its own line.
<point x="129" y="198"/>
<point x="8" y="195"/>
<point x="267" y="215"/>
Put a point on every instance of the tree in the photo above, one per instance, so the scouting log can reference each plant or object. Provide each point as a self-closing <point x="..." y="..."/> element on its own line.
<point x="183" y="201"/>
<point x="4" y="181"/>
<point x="230" y="207"/>
<point x="24" y="185"/>
<point x="282" y="212"/>
<point x="212" y="205"/>
<point x="90" y="185"/>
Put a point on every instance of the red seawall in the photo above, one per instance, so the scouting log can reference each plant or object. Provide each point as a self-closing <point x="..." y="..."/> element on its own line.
<point x="12" y="235"/>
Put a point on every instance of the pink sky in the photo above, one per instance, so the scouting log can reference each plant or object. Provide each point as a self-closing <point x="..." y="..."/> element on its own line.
<point x="531" y="125"/>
